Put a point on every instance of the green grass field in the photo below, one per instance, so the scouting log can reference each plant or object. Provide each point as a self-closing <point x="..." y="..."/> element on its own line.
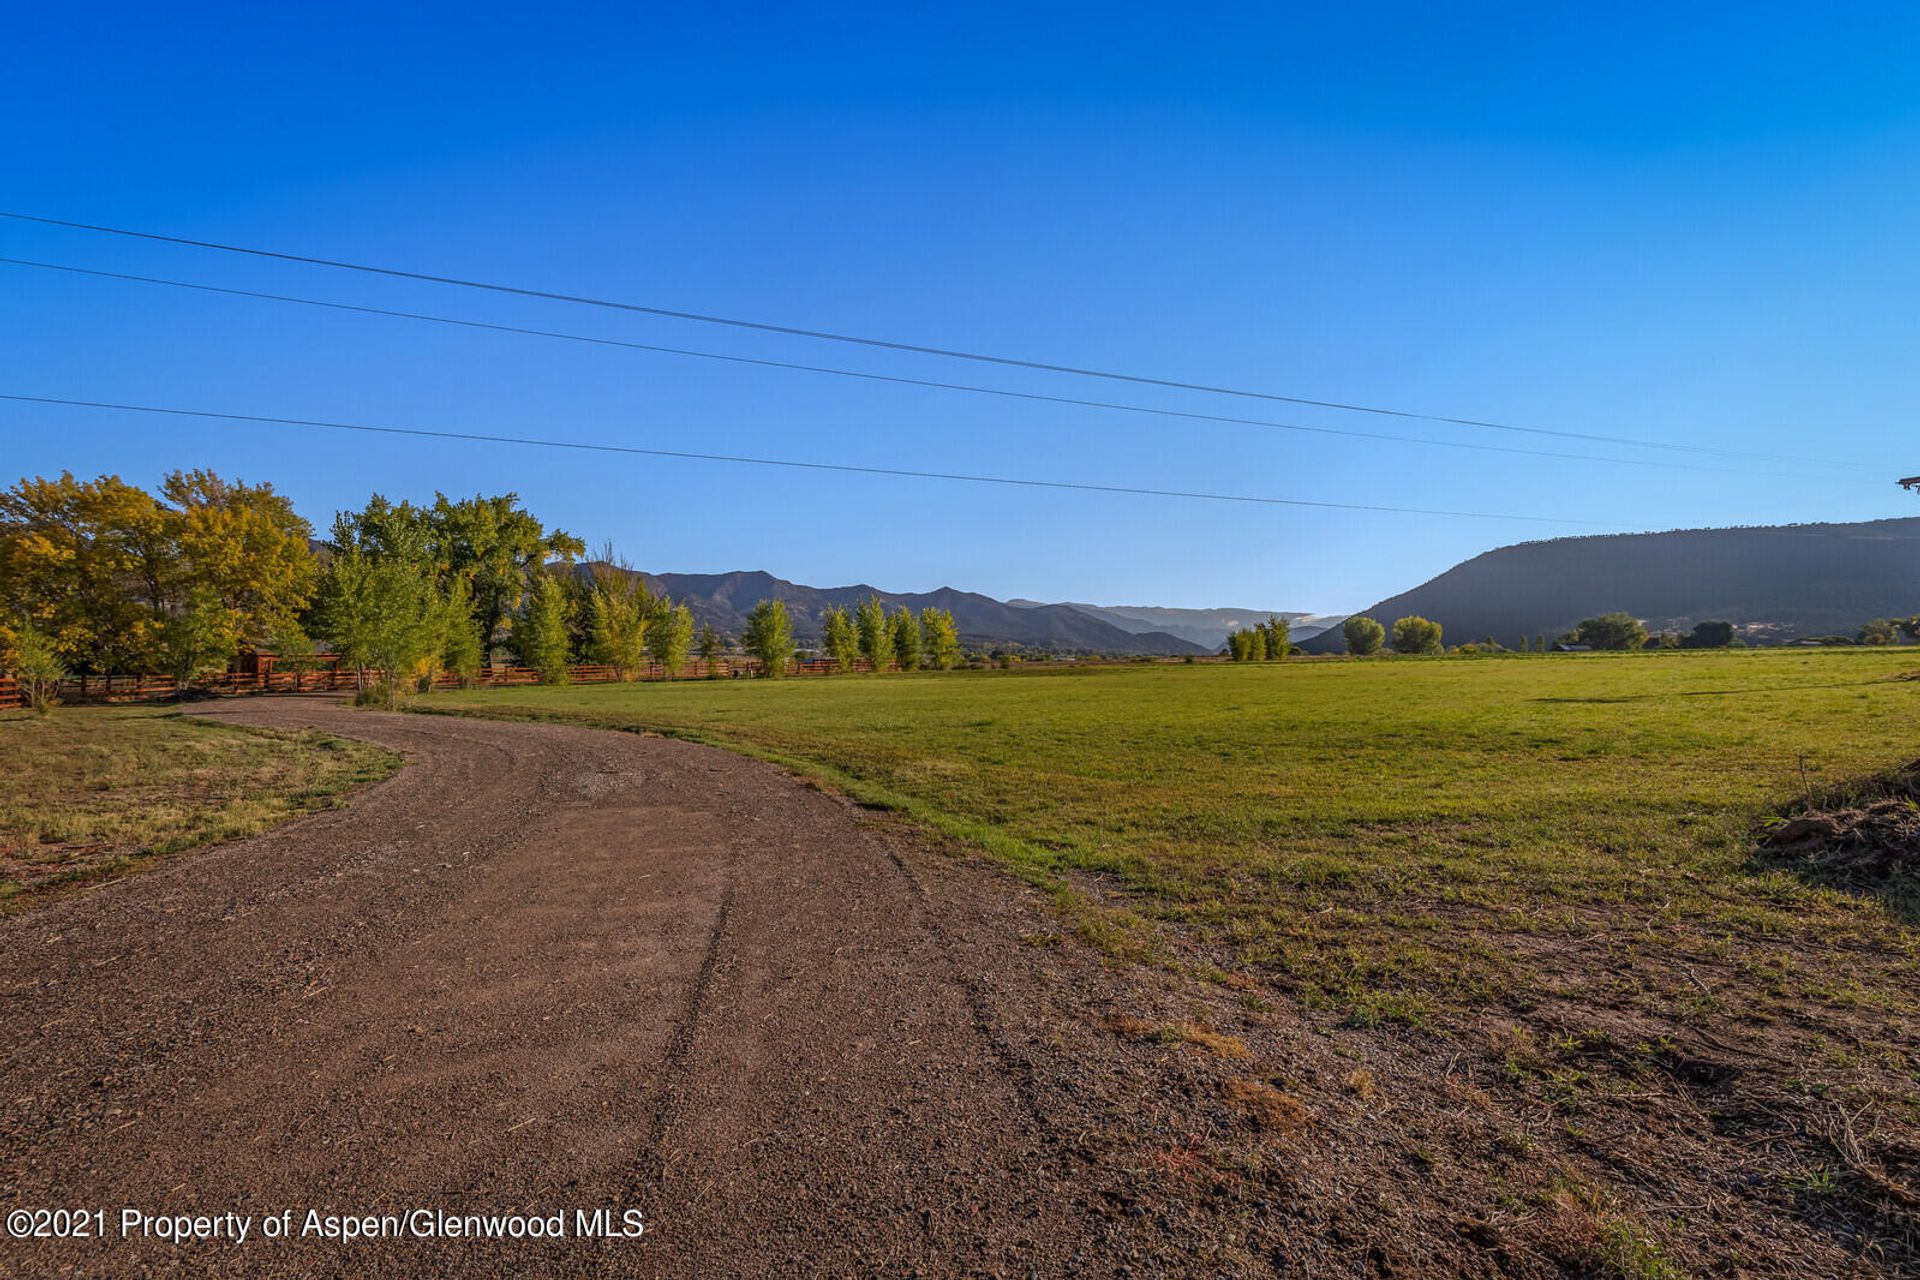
<point x="1396" y="839"/>
<point x="89" y="792"/>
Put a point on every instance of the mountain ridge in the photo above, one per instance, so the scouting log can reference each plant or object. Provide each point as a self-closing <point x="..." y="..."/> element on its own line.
<point x="723" y="601"/>
<point x="1773" y="582"/>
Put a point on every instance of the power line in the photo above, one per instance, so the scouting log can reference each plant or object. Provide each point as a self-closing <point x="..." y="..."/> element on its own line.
<point x="854" y="339"/>
<point x="970" y="388"/>
<point x="787" y="462"/>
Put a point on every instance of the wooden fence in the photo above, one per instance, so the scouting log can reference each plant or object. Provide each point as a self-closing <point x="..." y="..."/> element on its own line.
<point x="333" y="679"/>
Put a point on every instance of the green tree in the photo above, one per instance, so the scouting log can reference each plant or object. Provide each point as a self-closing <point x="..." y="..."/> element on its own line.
<point x="500" y="548"/>
<point x="769" y="637"/>
<point x="1279" y="637"/>
<point x="381" y="615"/>
<point x="460" y="652"/>
<point x="541" y="632"/>
<point x="31" y="657"/>
<point x="876" y="641"/>
<point x="92" y="566"/>
<point x="1614" y="631"/>
<point x="1909" y="627"/>
<point x="906" y="640"/>
<point x="1526" y="643"/>
<point x="842" y="639"/>
<point x="939" y="638"/>
<point x="1709" y="635"/>
<point x="620" y="612"/>
<point x="294" y="651"/>
<point x="712" y="647"/>
<point x="1415" y="634"/>
<point x="670" y="635"/>
<point x="1363" y="635"/>
<point x="1879" y="631"/>
<point x="199" y="636"/>
<point x="245" y="547"/>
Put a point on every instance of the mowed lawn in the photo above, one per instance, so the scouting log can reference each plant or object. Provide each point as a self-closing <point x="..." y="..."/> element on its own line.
<point x="1393" y="838"/>
<point x="89" y="792"/>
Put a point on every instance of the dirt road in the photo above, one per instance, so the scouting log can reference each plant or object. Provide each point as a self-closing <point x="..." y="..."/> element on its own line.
<point x="540" y="970"/>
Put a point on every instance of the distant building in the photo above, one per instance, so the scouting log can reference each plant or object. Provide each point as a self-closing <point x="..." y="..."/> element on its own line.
<point x="1562" y="646"/>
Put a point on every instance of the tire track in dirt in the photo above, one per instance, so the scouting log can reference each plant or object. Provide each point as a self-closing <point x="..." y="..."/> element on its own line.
<point x="539" y="969"/>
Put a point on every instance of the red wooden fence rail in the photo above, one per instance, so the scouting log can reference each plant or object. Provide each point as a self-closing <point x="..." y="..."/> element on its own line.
<point x="148" y="688"/>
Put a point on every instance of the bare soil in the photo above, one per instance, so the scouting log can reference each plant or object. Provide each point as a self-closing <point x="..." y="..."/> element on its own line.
<point x="546" y="968"/>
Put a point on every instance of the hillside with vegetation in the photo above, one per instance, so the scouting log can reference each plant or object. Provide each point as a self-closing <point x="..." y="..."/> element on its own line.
<point x="1774" y="584"/>
<point x="724" y="601"/>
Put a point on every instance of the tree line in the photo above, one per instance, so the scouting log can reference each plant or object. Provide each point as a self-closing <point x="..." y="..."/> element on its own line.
<point x="900" y="641"/>
<point x="101" y="576"/>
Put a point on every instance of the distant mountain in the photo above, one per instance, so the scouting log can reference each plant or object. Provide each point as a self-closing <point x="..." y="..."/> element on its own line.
<point x="723" y="601"/>
<point x="1205" y="627"/>
<point x="1772" y="583"/>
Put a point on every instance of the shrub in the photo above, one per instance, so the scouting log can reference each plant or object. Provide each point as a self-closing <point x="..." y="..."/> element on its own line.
<point x="37" y="667"/>
<point x="1415" y="634"/>
<point x="1363" y="635"/>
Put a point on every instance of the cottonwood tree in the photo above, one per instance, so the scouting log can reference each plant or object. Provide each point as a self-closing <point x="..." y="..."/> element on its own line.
<point x="540" y="634"/>
<point x="242" y="545"/>
<point x="460" y="651"/>
<point x="1879" y="631"/>
<point x="906" y="640"/>
<point x="1278" y="637"/>
<point x="876" y="640"/>
<point x="711" y="647"/>
<point x="199" y="636"/>
<point x="294" y="651"/>
<point x="89" y="565"/>
<point x="621" y="611"/>
<point x="769" y="637"/>
<point x="1616" y="631"/>
<point x="1363" y="635"/>
<point x="670" y="635"/>
<point x="840" y="636"/>
<point x="939" y="638"/>
<point x="1415" y="634"/>
<point x="382" y="615"/>
<point x="500" y="548"/>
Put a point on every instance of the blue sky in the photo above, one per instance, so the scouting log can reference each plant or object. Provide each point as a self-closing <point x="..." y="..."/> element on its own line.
<point x="1686" y="223"/>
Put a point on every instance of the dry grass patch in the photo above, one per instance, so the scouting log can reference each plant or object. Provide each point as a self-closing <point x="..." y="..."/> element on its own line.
<point x="1266" y="1106"/>
<point x="90" y="792"/>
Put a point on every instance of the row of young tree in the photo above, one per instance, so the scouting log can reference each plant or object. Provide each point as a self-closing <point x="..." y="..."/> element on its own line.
<point x="1267" y="641"/>
<point x="900" y="641"/>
